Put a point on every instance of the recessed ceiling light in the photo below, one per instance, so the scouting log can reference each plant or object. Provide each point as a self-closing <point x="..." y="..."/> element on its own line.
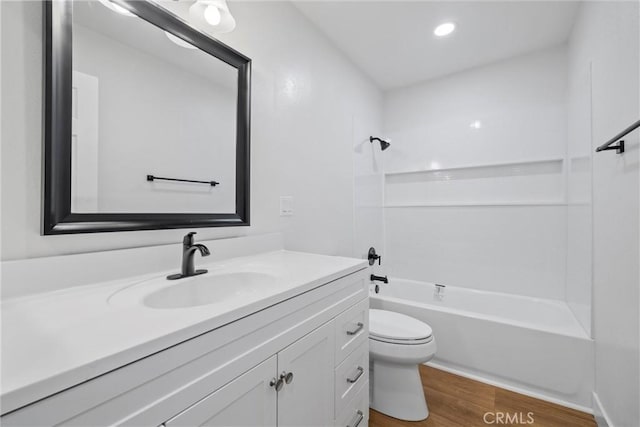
<point x="476" y="124"/>
<point x="444" y="29"/>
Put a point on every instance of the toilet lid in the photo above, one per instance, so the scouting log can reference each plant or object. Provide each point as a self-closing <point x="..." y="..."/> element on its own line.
<point x="397" y="327"/>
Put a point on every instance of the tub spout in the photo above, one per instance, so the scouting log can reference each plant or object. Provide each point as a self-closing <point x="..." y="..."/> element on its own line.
<point x="382" y="279"/>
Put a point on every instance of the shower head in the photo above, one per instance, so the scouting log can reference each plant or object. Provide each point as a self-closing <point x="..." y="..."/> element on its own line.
<point x="384" y="143"/>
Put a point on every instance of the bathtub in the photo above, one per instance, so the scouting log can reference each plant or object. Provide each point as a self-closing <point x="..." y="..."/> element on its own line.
<point x="529" y="345"/>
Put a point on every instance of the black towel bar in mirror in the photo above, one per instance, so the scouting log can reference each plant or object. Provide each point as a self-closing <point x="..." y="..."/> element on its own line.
<point x="153" y="178"/>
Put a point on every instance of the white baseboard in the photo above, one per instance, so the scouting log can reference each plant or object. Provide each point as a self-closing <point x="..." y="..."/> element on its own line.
<point x="602" y="419"/>
<point x="510" y="387"/>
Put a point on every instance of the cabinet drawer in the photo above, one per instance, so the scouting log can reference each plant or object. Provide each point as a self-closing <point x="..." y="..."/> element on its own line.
<point x="350" y="376"/>
<point x="352" y="328"/>
<point x="356" y="412"/>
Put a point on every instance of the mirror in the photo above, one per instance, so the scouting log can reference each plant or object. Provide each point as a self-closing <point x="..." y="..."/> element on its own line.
<point x="147" y="121"/>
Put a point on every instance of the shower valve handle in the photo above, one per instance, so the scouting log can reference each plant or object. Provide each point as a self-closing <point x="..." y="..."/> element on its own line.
<point x="372" y="256"/>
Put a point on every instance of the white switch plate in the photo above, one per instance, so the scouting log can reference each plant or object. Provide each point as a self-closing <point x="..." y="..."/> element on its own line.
<point x="286" y="205"/>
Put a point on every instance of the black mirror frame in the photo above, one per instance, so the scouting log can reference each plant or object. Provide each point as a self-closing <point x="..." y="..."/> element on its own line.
<point x="57" y="217"/>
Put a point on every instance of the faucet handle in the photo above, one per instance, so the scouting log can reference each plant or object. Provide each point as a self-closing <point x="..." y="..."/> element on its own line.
<point x="188" y="239"/>
<point x="372" y="256"/>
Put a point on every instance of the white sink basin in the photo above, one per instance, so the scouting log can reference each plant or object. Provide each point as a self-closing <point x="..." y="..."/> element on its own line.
<point x="207" y="289"/>
<point x="196" y="291"/>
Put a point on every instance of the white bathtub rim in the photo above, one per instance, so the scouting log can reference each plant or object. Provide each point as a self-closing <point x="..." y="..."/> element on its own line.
<point x="478" y="291"/>
<point x="580" y="332"/>
<point x="510" y="387"/>
<point x="535" y="298"/>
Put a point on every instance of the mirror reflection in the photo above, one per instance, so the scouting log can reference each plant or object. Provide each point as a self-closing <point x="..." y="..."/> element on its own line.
<point x="148" y="104"/>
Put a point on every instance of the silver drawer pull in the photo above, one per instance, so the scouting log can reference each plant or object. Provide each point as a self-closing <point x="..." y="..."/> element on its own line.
<point x="358" y="375"/>
<point x="356" y="330"/>
<point x="358" y="420"/>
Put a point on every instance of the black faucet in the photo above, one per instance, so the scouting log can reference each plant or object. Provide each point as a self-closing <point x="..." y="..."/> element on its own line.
<point x="382" y="279"/>
<point x="188" y="253"/>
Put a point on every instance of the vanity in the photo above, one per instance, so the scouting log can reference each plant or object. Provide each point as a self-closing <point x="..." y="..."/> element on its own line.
<point x="162" y="141"/>
<point x="278" y="338"/>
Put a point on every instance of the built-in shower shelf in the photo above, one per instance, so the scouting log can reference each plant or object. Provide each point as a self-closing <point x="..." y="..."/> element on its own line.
<point x="523" y="183"/>
<point x="475" y="204"/>
<point x="518" y="165"/>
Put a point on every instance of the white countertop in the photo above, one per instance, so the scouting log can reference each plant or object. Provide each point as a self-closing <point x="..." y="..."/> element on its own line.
<point x="56" y="340"/>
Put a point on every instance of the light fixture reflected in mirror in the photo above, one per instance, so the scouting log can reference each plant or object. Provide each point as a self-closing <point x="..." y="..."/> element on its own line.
<point x="179" y="41"/>
<point x="116" y="8"/>
<point x="212" y="16"/>
<point x="209" y="16"/>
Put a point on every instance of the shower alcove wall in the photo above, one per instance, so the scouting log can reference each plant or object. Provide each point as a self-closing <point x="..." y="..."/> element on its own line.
<point x="487" y="182"/>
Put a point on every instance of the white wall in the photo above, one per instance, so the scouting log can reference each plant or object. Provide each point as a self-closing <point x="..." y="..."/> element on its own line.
<point x="521" y="103"/>
<point x="368" y="191"/>
<point x="308" y="102"/>
<point x="606" y="34"/>
<point x="579" y="283"/>
<point x="490" y="211"/>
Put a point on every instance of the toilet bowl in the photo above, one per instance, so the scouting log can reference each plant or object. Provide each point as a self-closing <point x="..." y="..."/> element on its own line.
<point x="398" y="344"/>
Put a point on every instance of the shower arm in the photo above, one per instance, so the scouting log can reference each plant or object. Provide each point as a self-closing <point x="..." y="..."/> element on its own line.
<point x="384" y="143"/>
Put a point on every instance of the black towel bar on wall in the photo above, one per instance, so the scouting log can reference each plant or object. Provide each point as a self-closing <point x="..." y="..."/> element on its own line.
<point x="153" y="178"/>
<point x="620" y="146"/>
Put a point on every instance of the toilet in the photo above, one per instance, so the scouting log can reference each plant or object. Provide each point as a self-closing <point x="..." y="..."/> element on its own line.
<point x="398" y="344"/>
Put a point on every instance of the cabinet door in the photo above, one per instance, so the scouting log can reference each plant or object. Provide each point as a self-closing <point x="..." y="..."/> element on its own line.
<point x="249" y="400"/>
<point x="308" y="399"/>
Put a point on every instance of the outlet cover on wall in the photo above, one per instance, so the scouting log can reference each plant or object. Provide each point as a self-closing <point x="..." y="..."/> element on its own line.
<point x="286" y="205"/>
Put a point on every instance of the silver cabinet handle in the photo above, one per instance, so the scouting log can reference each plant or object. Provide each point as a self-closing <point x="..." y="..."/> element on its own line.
<point x="287" y="377"/>
<point x="358" y="420"/>
<point x="356" y="330"/>
<point x="358" y="375"/>
<point x="277" y="384"/>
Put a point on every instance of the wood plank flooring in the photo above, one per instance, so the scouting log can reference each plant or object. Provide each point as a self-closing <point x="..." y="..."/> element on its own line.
<point x="457" y="401"/>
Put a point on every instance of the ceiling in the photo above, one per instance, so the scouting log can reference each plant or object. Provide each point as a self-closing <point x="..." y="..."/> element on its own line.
<point x="393" y="41"/>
